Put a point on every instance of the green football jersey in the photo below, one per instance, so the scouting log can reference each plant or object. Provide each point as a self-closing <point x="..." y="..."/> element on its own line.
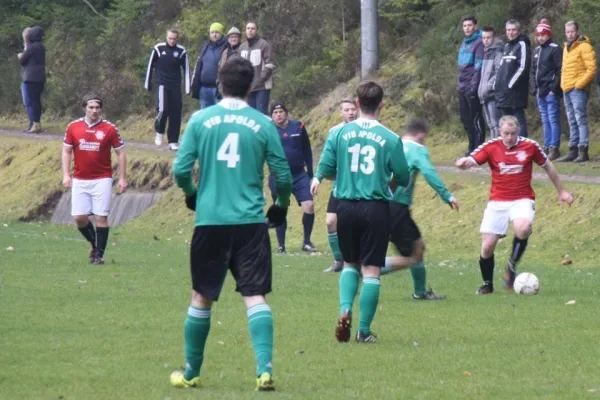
<point x="418" y="160"/>
<point x="338" y="126"/>
<point x="231" y="142"/>
<point x="362" y="156"/>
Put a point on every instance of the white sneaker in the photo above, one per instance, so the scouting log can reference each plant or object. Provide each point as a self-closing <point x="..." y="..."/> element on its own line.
<point x="158" y="139"/>
<point x="173" y="146"/>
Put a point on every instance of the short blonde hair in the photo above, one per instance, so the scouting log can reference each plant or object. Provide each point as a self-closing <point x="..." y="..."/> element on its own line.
<point x="26" y="35"/>
<point x="509" y="120"/>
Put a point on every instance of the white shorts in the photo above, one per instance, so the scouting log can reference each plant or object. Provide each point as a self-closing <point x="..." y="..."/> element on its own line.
<point x="497" y="214"/>
<point x="91" y="197"/>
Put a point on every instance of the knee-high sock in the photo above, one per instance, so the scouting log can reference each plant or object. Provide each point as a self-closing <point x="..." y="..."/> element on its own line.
<point x="368" y="300"/>
<point x="197" y="327"/>
<point x="89" y="233"/>
<point x="308" y="220"/>
<point x="486" y="265"/>
<point x="101" y="239"/>
<point x="419" y="277"/>
<point x="334" y="245"/>
<point x="348" y="288"/>
<point x="518" y="248"/>
<point x="260" y="322"/>
<point x="280" y="231"/>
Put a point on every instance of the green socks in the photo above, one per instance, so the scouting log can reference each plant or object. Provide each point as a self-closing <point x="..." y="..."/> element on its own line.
<point x="260" y="322"/>
<point x="334" y="245"/>
<point x="368" y="300"/>
<point x="197" y="326"/>
<point x="348" y="288"/>
<point x="419" y="277"/>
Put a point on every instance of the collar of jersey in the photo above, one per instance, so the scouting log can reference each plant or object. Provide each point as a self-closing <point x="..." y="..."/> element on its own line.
<point x="92" y="125"/>
<point x="230" y="102"/>
<point x="412" y="141"/>
<point x="372" y="121"/>
<point x="514" y="145"/>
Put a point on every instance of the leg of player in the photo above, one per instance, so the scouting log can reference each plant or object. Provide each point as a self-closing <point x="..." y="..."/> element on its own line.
<point x="101" y="238"/>
<point x="280" y="230"/>
<point x="419" y="274"/>
<point x="348" y="285"/>
<point x="308" y="221"/>
<point x="367" y="303"/>
<point x="332" y="236"/>
<point x="260" y="324"/>
<point x="486" y="262"/>
<point x="85" y="226"/>
<point x="522" y="229"/>
<point x="160" y="122"/>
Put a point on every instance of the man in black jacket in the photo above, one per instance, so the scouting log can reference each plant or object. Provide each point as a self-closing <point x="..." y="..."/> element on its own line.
<point x="512" y="82"/>
<point x="33" y="62"/>
<point x="204" y="80"/>
<point x="547" y="63"/>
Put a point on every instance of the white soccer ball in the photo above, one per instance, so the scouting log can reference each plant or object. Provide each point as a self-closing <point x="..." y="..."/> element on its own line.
<point x="526" y="283"/>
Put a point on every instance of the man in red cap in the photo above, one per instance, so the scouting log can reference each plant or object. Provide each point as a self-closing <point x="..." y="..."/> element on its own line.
<point x="547" y="63"/>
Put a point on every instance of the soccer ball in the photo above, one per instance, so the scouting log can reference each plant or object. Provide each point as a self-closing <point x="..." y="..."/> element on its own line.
<point x="526" y="283"/>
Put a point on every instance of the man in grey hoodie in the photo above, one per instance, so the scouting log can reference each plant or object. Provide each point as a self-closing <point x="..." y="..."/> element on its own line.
<point x="492" y="56"/>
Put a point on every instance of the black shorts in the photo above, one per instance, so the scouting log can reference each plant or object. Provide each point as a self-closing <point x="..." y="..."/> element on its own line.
<point x="363" y="230"/>
<point x="332" y="204"/>
<point x="404" y="231"/>
<point x="245" y="250"/>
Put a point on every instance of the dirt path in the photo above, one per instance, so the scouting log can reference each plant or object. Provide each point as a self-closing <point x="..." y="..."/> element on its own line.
<point x="50" y="136"/>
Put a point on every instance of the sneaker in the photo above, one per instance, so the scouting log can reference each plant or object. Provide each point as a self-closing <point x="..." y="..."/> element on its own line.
<point x="173" y="146"/>
<point x="368" y="338"/>
<point x="265" y="382"/>
<point x="309" y="247"/>
<point x="281" y="250"/>
<point x="337" y="266"/>
<point x="510" y="274"/>
<point x="429" y="295"/>
<point x="158" y="139"/>
<point x="344" y="325"/>
<point x="98" y="260"/>
<point x="486" y="288"/>
<point x="178" y="380"/>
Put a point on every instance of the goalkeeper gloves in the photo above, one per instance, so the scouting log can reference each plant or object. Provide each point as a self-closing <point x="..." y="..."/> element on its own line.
<point x="276" y="215"/>
<point x="190" y="201"/>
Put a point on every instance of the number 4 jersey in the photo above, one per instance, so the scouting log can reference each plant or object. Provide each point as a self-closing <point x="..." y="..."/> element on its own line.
<point x="231" y="142"/>
<point x="362" y="155"/>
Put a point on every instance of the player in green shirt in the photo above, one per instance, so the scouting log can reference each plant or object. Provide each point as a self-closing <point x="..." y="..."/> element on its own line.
<point x="362" y="156"/>
<point x="405" y="234"/>
<point x="348" y="114"/>
<point x="231" y="142"/>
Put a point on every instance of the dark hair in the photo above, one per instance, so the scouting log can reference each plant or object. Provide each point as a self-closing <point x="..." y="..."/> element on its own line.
<point x="236" y="77"/>
<point x="89" y="97"/>
<point x="253" y="23"/>
<point x="173" y="30"/>
<point x="469" y="17"/>
<point x="369" y="96"/>
<point x="489" y="28"/>
<point x="416" y="125"/>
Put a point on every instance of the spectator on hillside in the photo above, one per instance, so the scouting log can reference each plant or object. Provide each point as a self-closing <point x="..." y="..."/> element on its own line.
<point x="492" y="56"/>
<point x="204" y="80"/>
<point x="578" y="70"/>
<point x="512" y="82"/>
<point x="547" y="63"/>
<point x="260" y="54"/>
<point x="234" y="40"/>
<point x="24" y="94"/>
<point x="33" y="62"/>
<point x="470" y="61"/>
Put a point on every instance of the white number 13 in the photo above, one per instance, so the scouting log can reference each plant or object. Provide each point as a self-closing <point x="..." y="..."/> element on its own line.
<point x="367" y="166"/>
<point x="229" y="150"/>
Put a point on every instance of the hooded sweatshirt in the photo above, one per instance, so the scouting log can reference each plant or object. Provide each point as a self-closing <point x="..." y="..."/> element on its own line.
<point x="511" y="88"/>
<point x="470" y="60"/>
<point x="492" y="57"/>
<point x="33" y="61"/>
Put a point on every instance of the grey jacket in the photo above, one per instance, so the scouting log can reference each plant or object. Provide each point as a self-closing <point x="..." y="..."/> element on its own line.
<point x="492" y="56"/>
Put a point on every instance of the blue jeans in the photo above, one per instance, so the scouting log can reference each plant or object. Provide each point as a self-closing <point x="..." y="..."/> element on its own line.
<point x="549" y="107"/>
<point x="576" y="107"/>
<point x="26" y="101"/>
<point x="259" y="100"/>
<point x="519" y="114"/>
<point x="208" y="96"/>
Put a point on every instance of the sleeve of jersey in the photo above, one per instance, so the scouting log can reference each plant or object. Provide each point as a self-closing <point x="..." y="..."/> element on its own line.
<point x="539" y="156"/>
<point x="399" y="165"/>
<point x="68" y="140"/>
<point x="116" y="140"/>
<point x="432" y="177"/>
<point x="328" y="162"/>
<point x="148" y="81"/>
<point x="185" y="65"/>
<point x="480" y="155"/>
<point x="307" y="151"/>
<point x="185" y="159"/>
<point x="278" y="167"/>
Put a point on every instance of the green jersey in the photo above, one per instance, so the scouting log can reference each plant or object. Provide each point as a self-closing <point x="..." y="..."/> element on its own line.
<point x="335" y="128"/>
<point x="362" y="155"/>
<point x="417" y="157"/>
<point x="231" y="142"/>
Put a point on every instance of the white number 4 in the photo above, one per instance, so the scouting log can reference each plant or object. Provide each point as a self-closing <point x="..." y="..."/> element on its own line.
<point x="229" y="150"/>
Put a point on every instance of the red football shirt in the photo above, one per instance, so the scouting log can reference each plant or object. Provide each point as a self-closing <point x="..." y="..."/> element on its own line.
<point x="511" y="167"/>
<point x="92" y="145"/>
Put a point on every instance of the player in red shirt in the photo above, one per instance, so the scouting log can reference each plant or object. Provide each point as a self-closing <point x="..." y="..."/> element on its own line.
<point x="512" y="198"/>
<point x="90" y="140"/>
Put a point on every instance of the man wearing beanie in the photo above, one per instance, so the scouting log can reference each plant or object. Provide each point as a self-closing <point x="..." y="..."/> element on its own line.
<point x="260" y="54"/>
<point x="547" y="63"/>
<point x="234" y="39"/>
<point x="204" y="80"/>
<point x="296" y="145"/>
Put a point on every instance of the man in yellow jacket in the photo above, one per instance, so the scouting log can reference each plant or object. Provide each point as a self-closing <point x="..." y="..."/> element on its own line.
<point x="578" y="71"/>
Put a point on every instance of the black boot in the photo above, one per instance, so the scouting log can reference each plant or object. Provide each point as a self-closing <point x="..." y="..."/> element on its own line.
<point x="546" y="150"/>
<point x="571" y="155"/>
<point x="554" y="153"/>
<point x="583" y="154"/>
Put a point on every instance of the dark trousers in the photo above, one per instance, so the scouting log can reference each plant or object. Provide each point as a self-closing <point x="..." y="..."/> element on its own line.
<point x="519" y="114"/>
<point x="471" y="116"/>
<point x="259" y="100"/>
<point x="168" y="106"/>
<point x="34" y="90"/>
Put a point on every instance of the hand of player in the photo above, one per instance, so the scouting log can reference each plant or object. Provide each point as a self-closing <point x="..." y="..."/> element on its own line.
<point x="565" y="197"/>
<point x="67" y="182"/>
<point x="454" y="204"/>
<point x="190" y="201"/>
<point x="122" y="185"/>
<point x="276" y="215"/>
<point x="314" y="186"/>
<point x="463" y="162"/>
<point x="20" y="55"/>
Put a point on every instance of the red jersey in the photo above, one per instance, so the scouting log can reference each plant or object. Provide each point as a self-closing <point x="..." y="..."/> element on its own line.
<point x="92" y="145"/>
<point x="511" y="167"/>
